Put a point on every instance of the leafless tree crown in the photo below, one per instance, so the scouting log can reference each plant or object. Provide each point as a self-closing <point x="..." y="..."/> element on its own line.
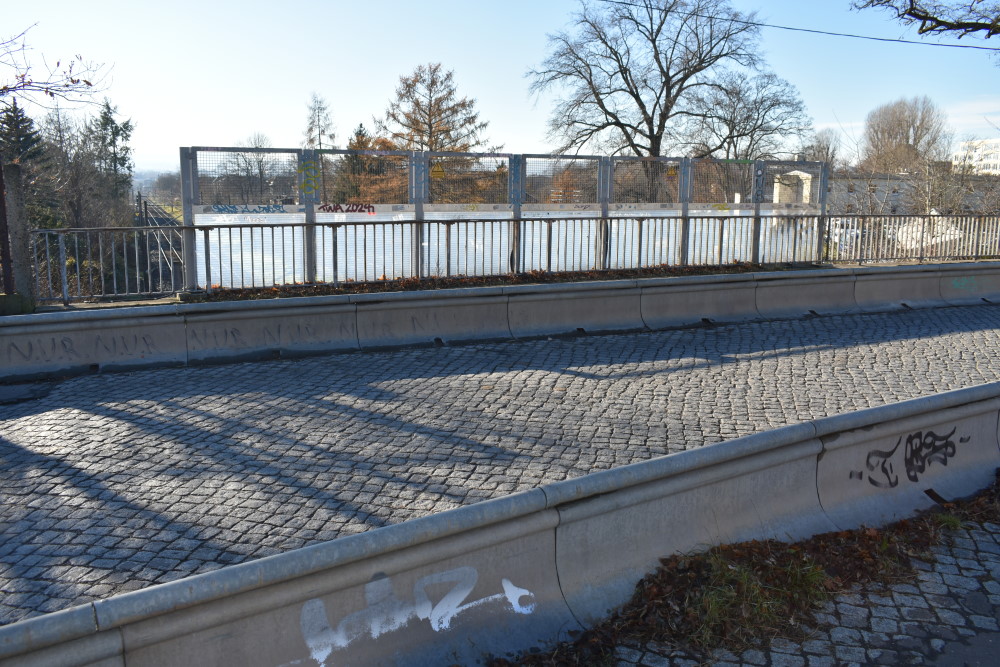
<point x="630" y="72"/>
<point x="905" y="135"/>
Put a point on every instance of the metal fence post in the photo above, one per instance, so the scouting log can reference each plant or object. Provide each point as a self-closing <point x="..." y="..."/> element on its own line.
<point x="189" y="195"/>
<point x="515" y="188"/>
<point x="604" y="196"/>
<point x="758" y="197"/>
<point x="309" y="182"/>
<point x="62" y="269"/>
<point x="419" y="173"/>
<point x="686" y="187"/>
<point x="822" y="244"/>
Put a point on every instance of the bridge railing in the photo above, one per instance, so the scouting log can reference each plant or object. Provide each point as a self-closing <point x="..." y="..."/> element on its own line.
<point x="268" y="248"/>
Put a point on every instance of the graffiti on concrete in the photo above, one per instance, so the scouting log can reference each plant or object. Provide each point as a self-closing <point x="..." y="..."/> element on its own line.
<point x="385" y="612"/>
<point x="230" y="209"/>
<point x="920" y="450"/>
<point x="347" y="208"/>
<point x="69" y="348"/>
<point x="967" y="283"/>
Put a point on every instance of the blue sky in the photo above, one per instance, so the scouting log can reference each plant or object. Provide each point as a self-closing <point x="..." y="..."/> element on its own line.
<point x="211" y="73"/>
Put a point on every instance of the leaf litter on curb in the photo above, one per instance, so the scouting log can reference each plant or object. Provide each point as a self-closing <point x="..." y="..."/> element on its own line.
<point x="739" y="596"/>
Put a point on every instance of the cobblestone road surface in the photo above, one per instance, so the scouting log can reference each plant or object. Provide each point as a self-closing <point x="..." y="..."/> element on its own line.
<point x="111" y="483"/>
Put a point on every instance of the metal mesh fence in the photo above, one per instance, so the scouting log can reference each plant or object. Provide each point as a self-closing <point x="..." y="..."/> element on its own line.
<point x="561" y="180"/>
<point x="722" y="182"/>
<point x="641" y="181"/>
<point x="456" y="178"/>
<point x="793" y="184"/>
<point x="250" y="176"/>
<point x="361" y="177"/>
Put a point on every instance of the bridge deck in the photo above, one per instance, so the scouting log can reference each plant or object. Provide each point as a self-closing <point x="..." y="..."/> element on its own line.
<point x="116" y="482"/>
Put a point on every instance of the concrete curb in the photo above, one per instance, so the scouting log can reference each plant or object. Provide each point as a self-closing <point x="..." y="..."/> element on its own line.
<point x="56" y="344"/>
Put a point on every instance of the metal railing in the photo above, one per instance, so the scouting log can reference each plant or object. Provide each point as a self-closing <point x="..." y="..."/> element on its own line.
<point x="904" y="238"/>
<point x="73" y="264"/>
<point x="107" y="262"/>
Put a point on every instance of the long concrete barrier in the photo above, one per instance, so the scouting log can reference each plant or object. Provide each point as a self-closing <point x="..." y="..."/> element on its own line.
<point x="966" y="284"/>
<point x="240" y="330"/>
<point x="523" y="571"/>
<point x="678" y="302"/>
<point x="72" y="342"/>
<point x="800" y="293"/>
<point x="428" y="318"/>
<point x="879" y="288"/>
<point x="540" y="310"/>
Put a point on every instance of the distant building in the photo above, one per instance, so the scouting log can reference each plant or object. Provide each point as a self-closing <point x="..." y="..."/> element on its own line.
<point x="981" y="156"/>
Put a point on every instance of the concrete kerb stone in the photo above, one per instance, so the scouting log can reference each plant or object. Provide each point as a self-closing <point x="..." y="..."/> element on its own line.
<point x="569" y="308"/>
<point x="443" y="316"/>
<point x="679" y="302"/>
<point x="801" y="293"/>
<point x="681" y="503"/>
<point x="34" y="346"/>
<point x="881" y="288"/>
<point x="270" y="328"/>
<point x="485" y="590"/>
<point x="423" y="542"/>
<point x="964" y="284"/>
<point x="892" y="469"/>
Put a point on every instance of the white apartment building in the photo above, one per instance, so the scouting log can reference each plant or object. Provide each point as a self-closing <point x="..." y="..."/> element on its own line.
<point x="982" y="155"/>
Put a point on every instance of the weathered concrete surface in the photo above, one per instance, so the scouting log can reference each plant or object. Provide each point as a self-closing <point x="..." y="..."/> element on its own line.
<point x="115" y="482"/>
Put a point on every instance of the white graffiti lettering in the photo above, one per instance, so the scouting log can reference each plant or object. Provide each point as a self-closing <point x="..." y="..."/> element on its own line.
<point x="384" y="612"/>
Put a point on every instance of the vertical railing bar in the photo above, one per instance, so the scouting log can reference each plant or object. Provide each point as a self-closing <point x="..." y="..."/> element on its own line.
<point x="62" y="269"/>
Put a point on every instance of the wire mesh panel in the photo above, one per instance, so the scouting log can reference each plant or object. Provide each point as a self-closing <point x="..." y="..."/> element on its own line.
<point x="722" y="182"/>
<point x="645" y="180"/>
<point x="467" y="178"/>
<point x="560" y="180"/>
<point x="247" y="176"/>
<point x="361" y="178"/>
<point x="792" y="185"/>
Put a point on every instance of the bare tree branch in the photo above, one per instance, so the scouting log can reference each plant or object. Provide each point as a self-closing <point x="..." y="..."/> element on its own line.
<point x="964" y="18"/>
<point x="71" y="80"/>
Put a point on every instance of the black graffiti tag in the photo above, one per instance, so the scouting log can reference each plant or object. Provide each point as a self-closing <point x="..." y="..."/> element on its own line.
<point x="883" y="461"/>
<point x="921" y="449"/>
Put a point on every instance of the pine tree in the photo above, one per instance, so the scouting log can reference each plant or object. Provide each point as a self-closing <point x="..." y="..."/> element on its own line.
<point x="20" y="140"/>
<point x="428" y="115"/>
<point x="112" y="152"/>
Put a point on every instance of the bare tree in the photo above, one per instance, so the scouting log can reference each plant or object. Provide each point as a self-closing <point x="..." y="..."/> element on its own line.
<point x="630" y="71"/>
<point x="823" y="146"/>
<point x="319" y="127"/>
<point x="904" y="135"/>
<point x="964" y="18"/>
<point x="65" y="80"/>
<point x="428" y="115"/>
<point x="742" y="117"/>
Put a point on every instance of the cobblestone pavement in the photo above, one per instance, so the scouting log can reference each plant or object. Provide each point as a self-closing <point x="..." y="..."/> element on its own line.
<point x="111" y="483"/>
<point x="946" y="616"/>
